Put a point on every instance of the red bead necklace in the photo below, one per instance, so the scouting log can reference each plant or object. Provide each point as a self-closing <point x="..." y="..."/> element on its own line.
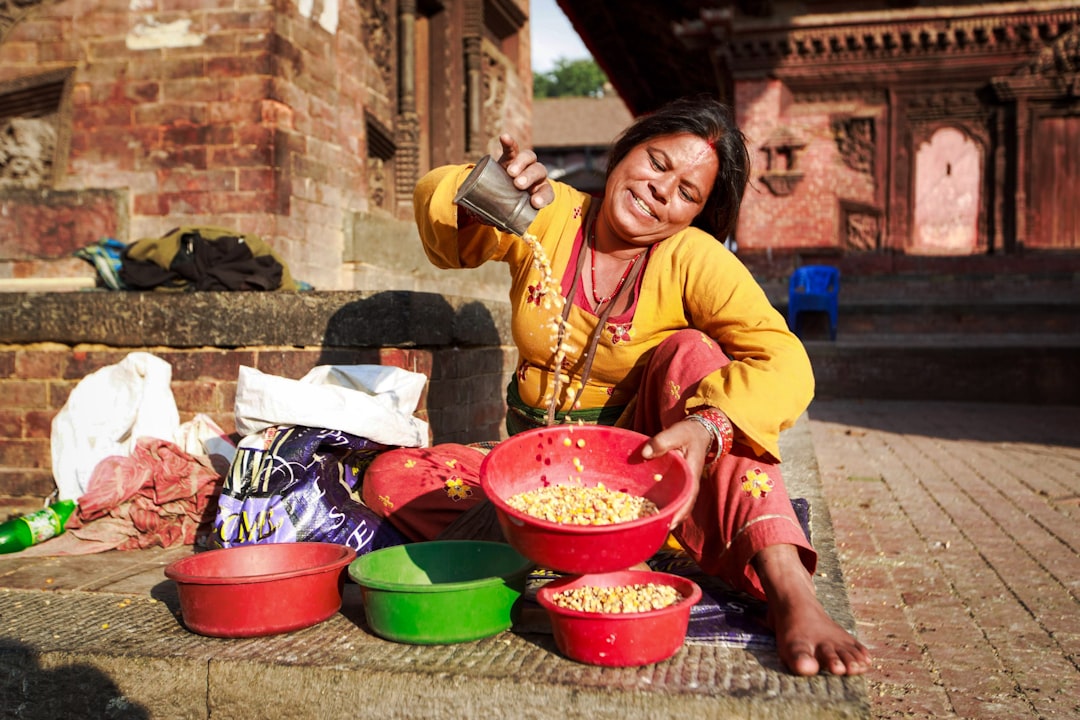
<point x="592" y="266"/>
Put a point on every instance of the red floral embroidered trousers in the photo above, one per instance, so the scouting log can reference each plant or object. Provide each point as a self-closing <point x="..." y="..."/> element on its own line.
<point x="741" y="507"/>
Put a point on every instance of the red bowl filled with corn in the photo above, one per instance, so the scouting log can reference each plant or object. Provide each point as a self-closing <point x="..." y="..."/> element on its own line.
<point x="619" y="619"/>
<point x="581" y="499"/>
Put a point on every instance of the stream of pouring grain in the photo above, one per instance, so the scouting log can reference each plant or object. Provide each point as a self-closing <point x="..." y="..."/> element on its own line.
<point x="552" y="298"/>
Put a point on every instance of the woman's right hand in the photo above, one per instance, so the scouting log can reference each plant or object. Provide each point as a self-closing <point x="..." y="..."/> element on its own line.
<point x="528" y="174"/>
<point x="693" y="441"/>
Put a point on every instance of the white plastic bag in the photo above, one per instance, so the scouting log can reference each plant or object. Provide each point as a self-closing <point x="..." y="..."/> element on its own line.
<point x="376" y="402"/>
<point x="107" y="411"/>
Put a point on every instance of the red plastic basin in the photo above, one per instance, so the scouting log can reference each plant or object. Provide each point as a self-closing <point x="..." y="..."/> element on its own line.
<point x="608" y="455"/>
<point x="255" y="590"/>
<point x="620" y="639"/>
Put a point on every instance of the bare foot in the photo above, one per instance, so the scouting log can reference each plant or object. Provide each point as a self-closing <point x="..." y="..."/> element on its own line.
<point x="807" y="639"/>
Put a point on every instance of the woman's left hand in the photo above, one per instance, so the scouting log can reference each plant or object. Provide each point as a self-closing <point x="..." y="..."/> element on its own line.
<point x="693" y="441"/>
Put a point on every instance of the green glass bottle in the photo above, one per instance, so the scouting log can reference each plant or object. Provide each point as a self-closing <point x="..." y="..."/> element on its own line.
<point x="22" y="532"/>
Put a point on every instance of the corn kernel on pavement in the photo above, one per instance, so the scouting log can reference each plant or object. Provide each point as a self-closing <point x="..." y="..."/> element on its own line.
<point x="577" y="505"/>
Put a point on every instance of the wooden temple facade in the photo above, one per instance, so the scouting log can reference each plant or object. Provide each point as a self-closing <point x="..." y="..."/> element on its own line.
<point x="922" y="128"/>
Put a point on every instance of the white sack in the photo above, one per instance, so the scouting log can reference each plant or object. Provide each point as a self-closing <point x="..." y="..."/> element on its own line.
<point x="107" y="411"/>
<point x="376" y="402"/>
<point x="202" y="436"/>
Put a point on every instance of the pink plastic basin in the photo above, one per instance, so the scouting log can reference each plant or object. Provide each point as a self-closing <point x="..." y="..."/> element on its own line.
<point x="620" y="639"/>
<point x="608" y="455"/>
<point x="255" y="590"/>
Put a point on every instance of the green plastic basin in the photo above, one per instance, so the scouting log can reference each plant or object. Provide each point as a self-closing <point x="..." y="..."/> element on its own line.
<point x="441" y="592"/>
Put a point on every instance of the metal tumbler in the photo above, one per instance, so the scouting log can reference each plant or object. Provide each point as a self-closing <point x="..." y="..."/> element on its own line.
<point x="490" y="194"/>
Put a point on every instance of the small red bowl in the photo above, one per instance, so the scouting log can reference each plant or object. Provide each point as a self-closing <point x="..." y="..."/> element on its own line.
<point x="620" y="639"/>
<point x="253" y="590"/>
<point x="612" y="456"/>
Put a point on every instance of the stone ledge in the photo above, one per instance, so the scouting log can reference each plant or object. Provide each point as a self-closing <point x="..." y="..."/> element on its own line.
<point x="246" y="319"/>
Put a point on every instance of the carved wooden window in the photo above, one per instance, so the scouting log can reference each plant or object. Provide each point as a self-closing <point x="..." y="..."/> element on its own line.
<point x="782" y="173"/>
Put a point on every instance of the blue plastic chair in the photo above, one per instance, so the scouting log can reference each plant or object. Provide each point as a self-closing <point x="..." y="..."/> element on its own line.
<point x="814" y="288"/>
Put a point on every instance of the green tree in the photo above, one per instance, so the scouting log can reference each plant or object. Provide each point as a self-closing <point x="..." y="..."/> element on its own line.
<point x="571" y="78"/>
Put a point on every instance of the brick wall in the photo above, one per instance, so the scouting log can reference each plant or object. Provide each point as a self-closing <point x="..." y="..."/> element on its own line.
<point x="464" y="358"/>
<point x="810" y="217"/>
<point x="254" y="117"/>
<point x="170" y="107"/>
<point x="210" y="115"/>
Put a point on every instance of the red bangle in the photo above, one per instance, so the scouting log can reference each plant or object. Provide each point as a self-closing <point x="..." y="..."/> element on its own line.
<point x="722" y="430"/>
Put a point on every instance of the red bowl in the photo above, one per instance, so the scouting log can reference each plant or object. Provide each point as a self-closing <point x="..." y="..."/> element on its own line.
<point x="253" y="590"/>
<point x="620" y="639"/>
<point x="607" y="455"/>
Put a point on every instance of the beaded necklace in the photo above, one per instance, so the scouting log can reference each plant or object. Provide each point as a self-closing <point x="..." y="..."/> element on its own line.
<point x="629" y="277"/>
<point x="592" y="266"/>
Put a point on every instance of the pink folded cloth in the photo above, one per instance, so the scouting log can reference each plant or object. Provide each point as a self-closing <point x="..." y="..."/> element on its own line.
<point x="159" y="496"/>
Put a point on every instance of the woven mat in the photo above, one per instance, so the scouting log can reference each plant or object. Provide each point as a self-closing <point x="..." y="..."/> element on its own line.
<point x="723" y="616"/>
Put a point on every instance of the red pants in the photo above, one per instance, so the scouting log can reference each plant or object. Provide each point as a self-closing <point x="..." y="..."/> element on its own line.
<point x="742" y="505"/>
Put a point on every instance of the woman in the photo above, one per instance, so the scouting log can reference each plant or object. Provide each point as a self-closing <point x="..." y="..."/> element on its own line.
<point x="666" y="333"/>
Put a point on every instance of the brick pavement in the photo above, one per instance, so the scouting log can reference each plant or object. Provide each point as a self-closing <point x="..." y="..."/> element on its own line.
<point x="957" y="530"/>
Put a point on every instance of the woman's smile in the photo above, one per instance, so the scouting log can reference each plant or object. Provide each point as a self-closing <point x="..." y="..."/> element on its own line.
<point x="656" y="191"/>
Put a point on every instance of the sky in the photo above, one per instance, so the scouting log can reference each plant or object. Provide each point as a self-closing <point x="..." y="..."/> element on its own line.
<point x="553" y="37"/>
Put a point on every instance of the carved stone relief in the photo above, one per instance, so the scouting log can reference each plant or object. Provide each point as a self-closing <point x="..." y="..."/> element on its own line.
<point x="861" y="95"/>
<point x="376" y="177"/>
<point x="1061" y="57"/>
<point x="27" y="148"/>
<point x="862" y="230"/>
<point x="812" y="46"/>
<point x="855" y="139"/>
<point x="11" y="11"/>
<point x="380" y="157"/>
<point x="923" y="129"/>
<point x="32" y="124"/>
<point x="495" y="74"/>
<point x="378" y="34"/>
<point x="1053" y="73"/>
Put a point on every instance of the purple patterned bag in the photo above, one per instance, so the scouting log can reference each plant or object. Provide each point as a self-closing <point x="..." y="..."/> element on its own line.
<point x="290" y="483"/>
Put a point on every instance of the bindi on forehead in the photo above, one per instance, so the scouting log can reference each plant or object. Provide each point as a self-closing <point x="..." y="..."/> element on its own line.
<point x="709" y="148"/>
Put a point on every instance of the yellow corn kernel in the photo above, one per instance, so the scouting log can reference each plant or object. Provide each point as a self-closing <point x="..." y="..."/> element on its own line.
<point x="577" y="505"/>
<point x="639" y="597"/>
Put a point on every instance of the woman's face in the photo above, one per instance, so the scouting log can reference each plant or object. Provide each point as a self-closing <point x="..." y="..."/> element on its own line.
<point x="659" y="188"/>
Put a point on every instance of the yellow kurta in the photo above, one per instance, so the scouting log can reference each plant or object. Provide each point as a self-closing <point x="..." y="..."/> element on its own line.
<point x="690" y="280"/>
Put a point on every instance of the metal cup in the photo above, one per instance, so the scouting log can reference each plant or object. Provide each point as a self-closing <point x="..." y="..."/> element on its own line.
<point x="490" y="194"/>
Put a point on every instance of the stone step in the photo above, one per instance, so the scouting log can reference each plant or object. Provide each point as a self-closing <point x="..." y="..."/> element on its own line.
<point x="945" y="319"/>
<point x="1028" y="368"/>
<point x="981" y="288"/>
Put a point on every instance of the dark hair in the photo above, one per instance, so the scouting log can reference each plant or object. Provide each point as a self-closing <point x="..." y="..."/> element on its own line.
<point x="709" y="119"/>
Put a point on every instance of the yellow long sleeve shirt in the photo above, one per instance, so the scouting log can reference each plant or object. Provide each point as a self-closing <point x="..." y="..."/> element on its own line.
<point x="690" y="281"/>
